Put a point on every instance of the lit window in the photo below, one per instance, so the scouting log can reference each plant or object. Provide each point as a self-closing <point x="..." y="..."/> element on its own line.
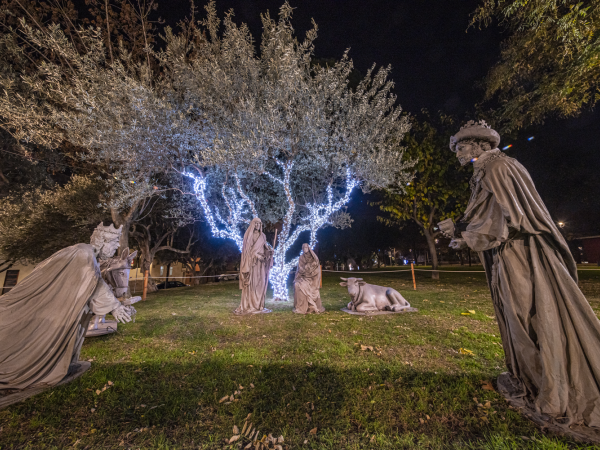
<point x="162" y="270"/>
<point x="170" y="270"/>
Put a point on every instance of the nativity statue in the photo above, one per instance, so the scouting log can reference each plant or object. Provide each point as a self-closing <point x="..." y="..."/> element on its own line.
<point x="549" y="332"/>
<point x="307" y="283"/>
<point x="44" y="318"/>
<point x="257" y="260"/>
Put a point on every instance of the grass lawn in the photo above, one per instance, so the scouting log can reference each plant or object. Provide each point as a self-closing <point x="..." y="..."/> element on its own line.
<point x="186" y="351"/>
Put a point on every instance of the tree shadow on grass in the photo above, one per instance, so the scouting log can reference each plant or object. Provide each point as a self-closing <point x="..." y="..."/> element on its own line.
<point x="177" y="405"/>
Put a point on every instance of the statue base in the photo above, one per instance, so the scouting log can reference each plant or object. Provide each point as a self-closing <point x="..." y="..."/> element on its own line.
<point x="108" y="327"/>
<point x="264" y="311"/>
<point x="509" y="387"/>
<point x="75" y="371"/>
<point x="377" y="313"/>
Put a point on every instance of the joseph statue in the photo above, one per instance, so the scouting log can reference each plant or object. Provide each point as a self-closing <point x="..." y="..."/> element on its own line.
<point x="257" y="260"/>
<point x="550" y="334"/>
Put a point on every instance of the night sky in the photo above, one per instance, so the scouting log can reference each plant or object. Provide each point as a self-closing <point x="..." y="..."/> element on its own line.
<point x="438" y="64"/>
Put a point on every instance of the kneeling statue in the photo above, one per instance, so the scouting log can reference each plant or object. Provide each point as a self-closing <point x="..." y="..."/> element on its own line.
<point x="307" y="282"/>
<point x="44" y="318"/>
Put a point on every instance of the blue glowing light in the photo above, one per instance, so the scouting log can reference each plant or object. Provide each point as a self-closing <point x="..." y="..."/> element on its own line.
<point x="531" y="138"/>
<point x="507" y="147"/>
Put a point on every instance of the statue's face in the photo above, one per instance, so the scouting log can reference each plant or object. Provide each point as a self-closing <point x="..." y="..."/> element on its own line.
<point x="468" y="152"/>
<point x="305" y="249"/>
<point x="257" y="226"/>
<point x="109" y="248"/>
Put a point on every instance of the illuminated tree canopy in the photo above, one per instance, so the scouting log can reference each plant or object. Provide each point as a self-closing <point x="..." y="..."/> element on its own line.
<point x="255" y="133"/>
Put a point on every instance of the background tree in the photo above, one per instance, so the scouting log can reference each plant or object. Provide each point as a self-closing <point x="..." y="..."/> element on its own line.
<point x="279" y="138"/>
<point x="440" y="187"/>
<point x="550" y="64"/>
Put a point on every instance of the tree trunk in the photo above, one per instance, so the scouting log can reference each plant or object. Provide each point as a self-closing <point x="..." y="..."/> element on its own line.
<point x="430" y="237"/>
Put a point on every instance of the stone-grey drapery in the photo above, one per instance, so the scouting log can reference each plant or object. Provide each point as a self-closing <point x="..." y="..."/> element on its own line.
<point x="550" y="334"/>
<point x="307" y="282"/>
<point x="254" y="270"/>
<point x="43" y="318"/>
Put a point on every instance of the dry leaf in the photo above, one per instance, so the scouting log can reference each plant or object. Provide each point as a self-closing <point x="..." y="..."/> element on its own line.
<point x="421" y="420"/>
<point x="244" y="428"/>
<point x="472" y="311"/>
<point x="231" y="398"/>
<point x="93" y="410"/>
<point x="280" y="440"/>
<point x="366" y="347"/>
<point x="313" y="431"/>
<point x="110" y="383"/>
<point x="251" y="385"/>
<point x="486" y="385"/>
<point x="236" y="430"/>
<point x="98" y="391"/>
<point x="224" y="398"/>
<point x="307" y="417"/>
<point x="464" y="351"/>
<point x="234" y="438"/>
<point x="465" y="314"/>
<point x="428" y="418"/>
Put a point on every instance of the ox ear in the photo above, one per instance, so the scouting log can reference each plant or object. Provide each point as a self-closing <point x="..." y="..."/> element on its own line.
<point x="344" y="279"/>
<point x="132" y="255"/>
<point x="344" y="284"/>
<point x="125" y="253"/>
<point x="362" y="283"/>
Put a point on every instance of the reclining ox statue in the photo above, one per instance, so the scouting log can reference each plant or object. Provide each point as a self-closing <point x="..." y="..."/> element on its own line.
<point x="371" y="298"/>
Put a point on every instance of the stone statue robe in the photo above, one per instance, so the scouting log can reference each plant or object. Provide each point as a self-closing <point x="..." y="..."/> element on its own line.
<point x="550" y="334"/>
<point x="307" y="283"/>
<point x="43" y="319"/>
<point x="254" y="270"/>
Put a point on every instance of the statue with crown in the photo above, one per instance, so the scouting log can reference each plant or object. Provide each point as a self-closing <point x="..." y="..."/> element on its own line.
<point x="549" y="331"/>
<point x="44" y="319"/>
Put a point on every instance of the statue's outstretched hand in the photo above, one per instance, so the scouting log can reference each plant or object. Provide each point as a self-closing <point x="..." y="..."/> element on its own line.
<point x="458" y="244"/>
<point x="121" y="314"/>
<point x="131" y="300"/>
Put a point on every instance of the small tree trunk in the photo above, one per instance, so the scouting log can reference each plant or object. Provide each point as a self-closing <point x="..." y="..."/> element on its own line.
<point x="429" y="236"/>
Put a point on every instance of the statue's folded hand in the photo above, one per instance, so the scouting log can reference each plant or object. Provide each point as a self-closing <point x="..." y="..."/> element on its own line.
<point x="458" y="244"/>
<point x="121" y="314"/>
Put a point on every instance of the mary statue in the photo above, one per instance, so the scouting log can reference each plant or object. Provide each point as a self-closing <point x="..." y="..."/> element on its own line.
<point x="257" y="260"/>
<point x="307" y="283"/>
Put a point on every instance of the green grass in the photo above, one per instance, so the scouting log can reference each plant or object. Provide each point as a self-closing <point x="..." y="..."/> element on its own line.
<point x="187" y="350"/>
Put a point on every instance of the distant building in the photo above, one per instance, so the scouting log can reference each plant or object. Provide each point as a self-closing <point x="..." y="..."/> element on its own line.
<point x="590" y="247"/>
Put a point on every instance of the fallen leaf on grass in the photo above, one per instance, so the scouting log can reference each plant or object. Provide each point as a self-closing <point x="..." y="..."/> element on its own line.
<point x="486" y="385"/>
<point x="465" y="314"/>
<point x="236" y="430"/>
<point x="464" y="351"/>
<point x="366" y="347"/>
<point x="224" y="398"/>
<point x="421" y="420"/>
<point x="313" y="431"/>
<point x="233" y="439"/>
<point x="472" y="311"/>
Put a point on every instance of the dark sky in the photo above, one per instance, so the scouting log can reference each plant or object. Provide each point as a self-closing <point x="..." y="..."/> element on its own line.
<point x="437" y="64"/>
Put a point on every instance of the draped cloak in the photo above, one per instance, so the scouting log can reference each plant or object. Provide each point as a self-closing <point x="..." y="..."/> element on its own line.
<point x="254" y="270"/>
<point x="550" y="334"/>
<point x="43" y="319"/>
<point x="307" y="282"/>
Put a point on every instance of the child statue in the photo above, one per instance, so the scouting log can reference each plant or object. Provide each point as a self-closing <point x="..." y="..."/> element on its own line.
<point x="307" y="283"/>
